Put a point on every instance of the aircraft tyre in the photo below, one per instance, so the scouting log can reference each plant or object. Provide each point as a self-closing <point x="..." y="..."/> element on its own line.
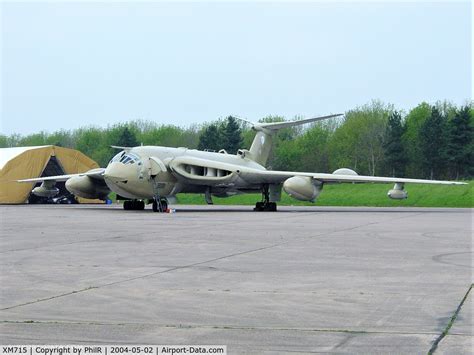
<point x="271" y="207"/>
<point x="164" y="205"/>
<point x="160" y="207"/>
<point x="265" y="206"/>
<point x="133" y="205"/>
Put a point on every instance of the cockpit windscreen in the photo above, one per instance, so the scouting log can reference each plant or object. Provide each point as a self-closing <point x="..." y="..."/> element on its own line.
<point x="126" y="158"/>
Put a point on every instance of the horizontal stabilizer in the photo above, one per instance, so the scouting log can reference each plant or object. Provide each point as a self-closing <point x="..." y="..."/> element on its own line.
<point x="262" y="142"/>
<point x="279" y="125"/>
<point x="274" y="126"/>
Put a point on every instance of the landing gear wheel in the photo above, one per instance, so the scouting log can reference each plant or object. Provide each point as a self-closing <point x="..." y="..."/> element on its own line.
<point x="270" y="207"/>
<point x="134" y="205"/>
<point x="265" y="205"/>
<point x="164" y="205"/>
<point x="160" y="205"/>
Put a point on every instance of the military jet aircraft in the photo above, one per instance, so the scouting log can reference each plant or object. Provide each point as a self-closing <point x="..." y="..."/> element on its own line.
<point x="154" y="174"/>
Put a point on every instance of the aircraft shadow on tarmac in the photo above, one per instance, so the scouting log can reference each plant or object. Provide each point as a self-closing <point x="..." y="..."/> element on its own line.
<point x="282" y="209"/>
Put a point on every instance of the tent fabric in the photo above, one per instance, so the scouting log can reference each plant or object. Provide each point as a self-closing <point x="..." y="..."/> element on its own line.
<point x="29" y="162"/>
<point x="7" y="154"/>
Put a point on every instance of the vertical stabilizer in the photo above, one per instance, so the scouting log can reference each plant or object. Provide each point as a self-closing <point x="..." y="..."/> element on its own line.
<point x="263" y="141"/>
<point x="261" y="147"/>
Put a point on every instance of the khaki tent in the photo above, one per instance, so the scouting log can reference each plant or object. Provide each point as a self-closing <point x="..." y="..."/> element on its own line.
<point x="31" y="162"/>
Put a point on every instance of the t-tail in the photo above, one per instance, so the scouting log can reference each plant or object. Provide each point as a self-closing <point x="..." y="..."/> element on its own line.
<point x="263" y="141"/>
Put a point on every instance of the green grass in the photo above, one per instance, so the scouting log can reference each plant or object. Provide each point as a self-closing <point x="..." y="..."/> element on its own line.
<point x="361" y="195"/>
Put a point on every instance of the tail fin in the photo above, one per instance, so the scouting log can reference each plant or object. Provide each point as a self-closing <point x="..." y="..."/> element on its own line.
<point x="263" y="141"/>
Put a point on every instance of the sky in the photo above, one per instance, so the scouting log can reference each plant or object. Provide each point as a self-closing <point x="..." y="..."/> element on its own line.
<point x="66" y="65"/>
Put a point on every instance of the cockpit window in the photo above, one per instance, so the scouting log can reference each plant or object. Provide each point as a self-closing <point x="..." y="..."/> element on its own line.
<point x="117" y="157"/>
<point x="126" y="158"/>
<point x="129" y="158"/>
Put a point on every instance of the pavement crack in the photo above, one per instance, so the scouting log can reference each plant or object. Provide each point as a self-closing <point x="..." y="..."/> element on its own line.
<point x="53" y="245"/>
<point x="450" y="323"/>
<point x="48" y="298"/>
<point x="136" y="277"/>
<point x="189" y="265"/>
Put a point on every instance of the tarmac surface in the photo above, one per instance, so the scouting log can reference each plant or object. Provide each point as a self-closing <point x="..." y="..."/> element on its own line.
<point x="302" y="280"/>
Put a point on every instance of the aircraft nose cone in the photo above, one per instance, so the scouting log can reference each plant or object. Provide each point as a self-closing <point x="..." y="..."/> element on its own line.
<point x="116" y="172"/>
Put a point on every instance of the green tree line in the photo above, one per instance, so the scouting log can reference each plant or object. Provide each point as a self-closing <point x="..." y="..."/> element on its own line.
<point x="428" y="141"/>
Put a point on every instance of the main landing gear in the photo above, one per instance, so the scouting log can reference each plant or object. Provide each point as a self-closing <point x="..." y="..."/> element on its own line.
<point x="160" y="204"/>
<point x="265" y="204"/>
<point x="133" y="205"/>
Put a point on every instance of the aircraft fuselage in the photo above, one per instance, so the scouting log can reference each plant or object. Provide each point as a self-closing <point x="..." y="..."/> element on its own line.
<point x="152" y="170"/>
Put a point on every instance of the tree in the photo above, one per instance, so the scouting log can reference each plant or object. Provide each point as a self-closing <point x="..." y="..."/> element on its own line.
<point x="190" y="136"/>
<point x="231" y="135"/>
<point x="394" y="152"/>
<point x="460" y="143"/>
<point x="168" y="136"/>
<point x="287" y="156"/>
<point x="446" y="108"/>
<point x="434" y="143"/>
<point x="371" y="139"/>
<point x="411" y="139"/>
<point x="35" y="139"/>
<point x="127" y="138"/>
<point x="61" y="138"/>
<point x="91" y="141"/>
<point x="313" y="145"/>
<point x="358" y="142"/>
<point x="210" y="138"/>
<point x="13" y="140"/>
<point x="3" y="141"/>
